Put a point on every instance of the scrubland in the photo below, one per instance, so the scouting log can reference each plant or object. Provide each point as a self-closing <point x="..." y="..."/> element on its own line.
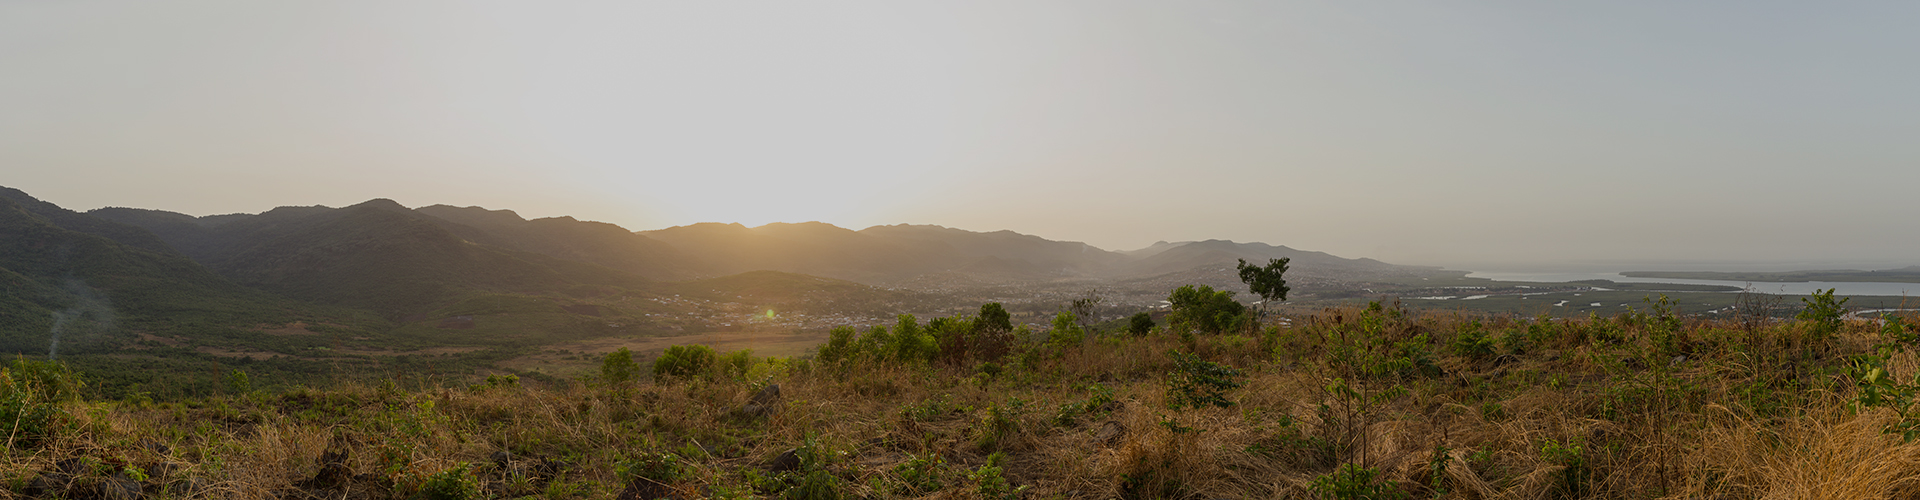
<point x="1354" y="402"/>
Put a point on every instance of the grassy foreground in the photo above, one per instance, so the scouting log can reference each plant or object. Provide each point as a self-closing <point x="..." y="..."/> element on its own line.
<point x="1354" y="402"/>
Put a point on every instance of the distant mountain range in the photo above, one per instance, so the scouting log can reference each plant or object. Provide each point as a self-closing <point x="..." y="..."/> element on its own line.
<point x="381" y="256"/>
<point x="329" y="289"/>
<point x="409" y="265"/>
<point x="272" y="250"/>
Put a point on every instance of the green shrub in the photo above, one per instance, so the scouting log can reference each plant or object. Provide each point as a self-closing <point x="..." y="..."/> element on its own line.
<point x="27" y="418"/>
<point x="1196" y="382"/>
<point x="452" y="484"/>
<point x="1473" y="343"/>
<point x="909" y="342"/>
<point x="1823" y="313"/>
<point x="1895" y="331"/>
<point x="812" y="480"/>
<point x="1353" y="482"/>
<point x="1204" y="310"/>
<point x="1095" y="405"/>
<point x="839" y="346"/>
<point x="921" y="474"/>
<point x="953" y="339"/>
<point x="733" y="365"/>
<point x="658" y="467"/>
<point x="999" y="423"/>
<point x="686" y="361"/>
<point x="239" y="383"/>
<point x="619" y="367"/>
<point x="1571" y="479"/>
<point x="932" y="409"/>
<point x="990" y="484"/>
<point x="875" y="343"/>
<point x="1066" y="331"/>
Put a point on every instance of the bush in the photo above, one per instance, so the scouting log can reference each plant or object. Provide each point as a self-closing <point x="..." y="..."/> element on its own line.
<point x="619" y="367"/>
<point x="1473" y="343"/>
<point x="686" y="361"/>
<point x="921" y="474"/>
<point x="1353" y="482"/>
<point x="909" y="342"/>
<point x="27" y="418"/>
<point x="1823" y="312"/>
<point x="990" y="484"/>
<point x="1571" y="457"/>
<point x="30" y="392"/>
<point x="733" y="365"/>
<point x="999" y="423"/>
<point x="663" y="468"/>
<point x="1066" y="331"/>
<point x="1204" y="310"/>
<point x="952" y="338"/>
<point x="839" y="345"/>
<point x="451" y="484"/>
<point x="1196" y="382"/>
<point x="811" y="480"/>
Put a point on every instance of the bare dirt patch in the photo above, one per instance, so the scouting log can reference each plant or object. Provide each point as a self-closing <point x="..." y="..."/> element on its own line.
<point x="231" y="353"/>
<point x="565" y="359"/>
<point x="166" y="341"/>
<point x="430" y="351"/>
<point x="290" y="329"/>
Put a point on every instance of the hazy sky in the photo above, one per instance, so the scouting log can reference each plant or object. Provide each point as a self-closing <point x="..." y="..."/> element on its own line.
<point x="1468" y="134"/>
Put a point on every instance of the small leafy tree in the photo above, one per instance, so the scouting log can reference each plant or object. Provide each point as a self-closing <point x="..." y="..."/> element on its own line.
<point x="1269" y="281"/>
<point x="1087" y="308"/>
<point x="993" y="316"/>
<point x="1140" y="324"/>
<point x="993" y="333"/>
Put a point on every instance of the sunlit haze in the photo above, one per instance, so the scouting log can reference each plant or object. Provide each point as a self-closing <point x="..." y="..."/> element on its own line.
<point x="1469" y="135"/>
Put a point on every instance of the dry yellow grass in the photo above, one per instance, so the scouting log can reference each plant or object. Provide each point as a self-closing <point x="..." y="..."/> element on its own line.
<point x="1737" y="415"/>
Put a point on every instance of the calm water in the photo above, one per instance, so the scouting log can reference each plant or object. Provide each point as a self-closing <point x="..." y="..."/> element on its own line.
<point x="1798" y="288"/>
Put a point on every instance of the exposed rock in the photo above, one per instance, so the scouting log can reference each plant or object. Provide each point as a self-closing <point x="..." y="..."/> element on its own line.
<point x="121" y="487"/>
<point x="47" y="484"/>
<point x="156" y="447"/>
<point x="641" y="488"/>
<point x="187" y="487"/>
<point x="762" y="403"/>
<point x="1110" y="433"/>
<point x="787" y="461"/>
<point x="766" y="395"/>
<point x="333" y="471"/>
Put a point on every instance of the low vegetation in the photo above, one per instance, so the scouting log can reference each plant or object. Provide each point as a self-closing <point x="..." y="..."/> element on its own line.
<point x="1356" y="402"/>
